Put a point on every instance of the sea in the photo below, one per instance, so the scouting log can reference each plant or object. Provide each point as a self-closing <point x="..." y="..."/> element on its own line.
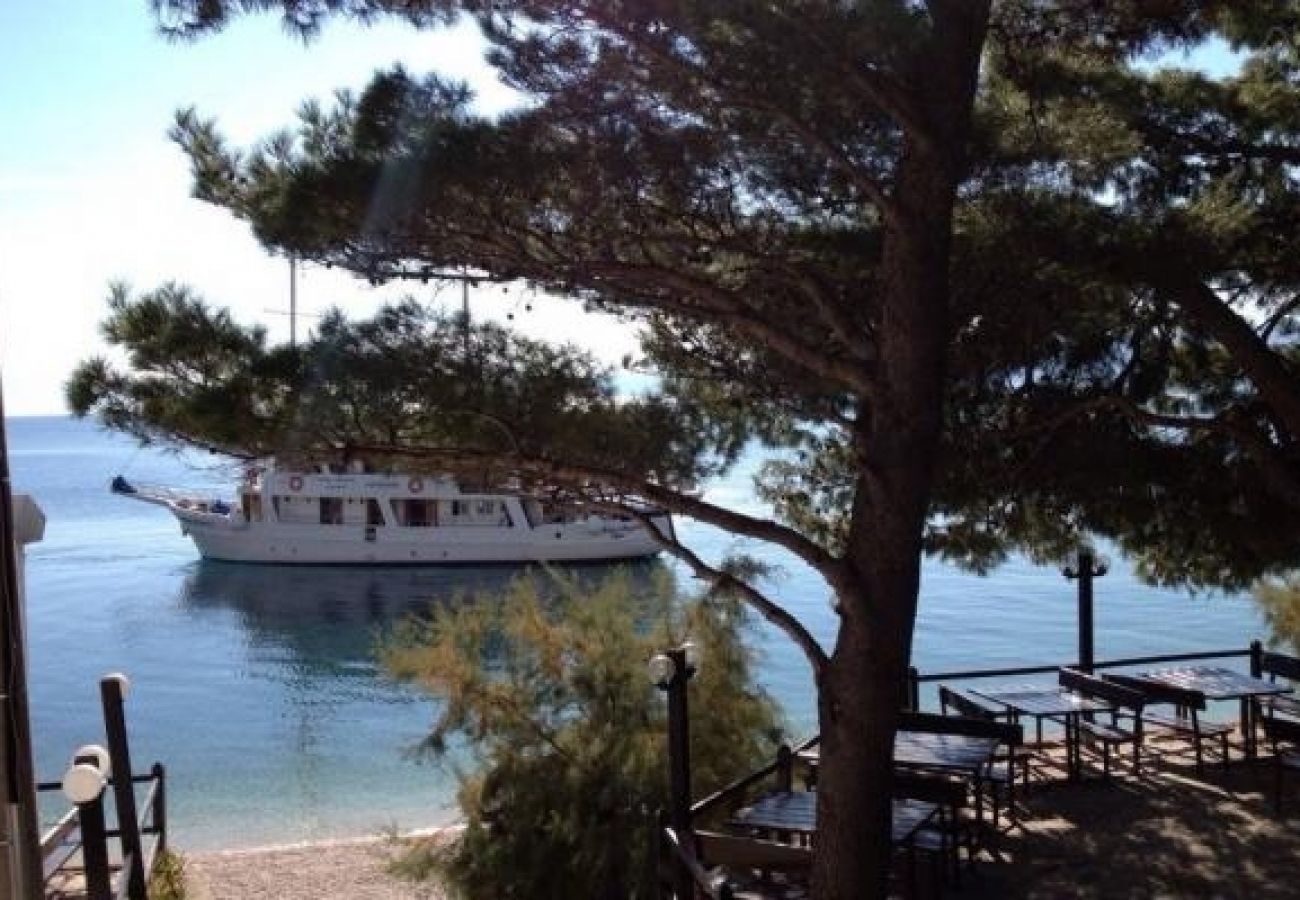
<point x="258" y="688"/>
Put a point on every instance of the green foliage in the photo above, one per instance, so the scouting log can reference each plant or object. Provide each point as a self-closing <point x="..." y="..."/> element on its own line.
<point x="167" y="881"/>
<point x="1129" y="369"/>
<point x="1279" y="601"/>
<point x="553" y="700"/>
<point x="407" y="377"/>
<point x="685" y="164"/>
<point x="1087" y="301"/>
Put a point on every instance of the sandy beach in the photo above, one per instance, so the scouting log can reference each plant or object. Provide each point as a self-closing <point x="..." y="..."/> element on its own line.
<point x="355" y="869"/>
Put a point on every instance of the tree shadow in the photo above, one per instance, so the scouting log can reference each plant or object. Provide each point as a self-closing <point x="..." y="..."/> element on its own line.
<point x="1168" y="833"/>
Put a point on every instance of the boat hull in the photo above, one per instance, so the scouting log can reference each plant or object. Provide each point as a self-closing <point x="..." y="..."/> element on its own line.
<point x="363" y="519"/>
<point x="429" y="547"/>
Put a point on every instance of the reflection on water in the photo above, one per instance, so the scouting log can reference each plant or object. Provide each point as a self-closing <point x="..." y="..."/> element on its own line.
<point x="272" y="711"/>
<point x="327" y="616"/>
<point x="332" y="615"/>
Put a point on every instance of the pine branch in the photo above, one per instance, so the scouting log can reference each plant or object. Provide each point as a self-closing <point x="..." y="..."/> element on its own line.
<point x="720" y="580"/>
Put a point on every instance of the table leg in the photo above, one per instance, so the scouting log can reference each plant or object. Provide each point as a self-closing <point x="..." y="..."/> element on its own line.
<point x="1069" y="748"/>
<point x="1248" y="727"/>
<point x="1073" y="752"/>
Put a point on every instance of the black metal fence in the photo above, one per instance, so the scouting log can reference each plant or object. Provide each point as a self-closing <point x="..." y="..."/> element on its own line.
<point x="1254" y="653"/>
<point x="81" y="842"/>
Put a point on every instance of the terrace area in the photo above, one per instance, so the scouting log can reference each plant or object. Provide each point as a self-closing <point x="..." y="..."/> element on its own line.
<point x="1122" y="785"/>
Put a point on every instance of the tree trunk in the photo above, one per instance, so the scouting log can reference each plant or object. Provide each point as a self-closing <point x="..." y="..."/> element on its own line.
<point x="897" y="441"/>
<point x="860" y="699"/>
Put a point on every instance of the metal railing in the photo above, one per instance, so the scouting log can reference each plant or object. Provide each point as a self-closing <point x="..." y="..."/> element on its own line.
<point x="915" y="679"/>
<point x="679" y="854"/>
<point x="81" y="831"/>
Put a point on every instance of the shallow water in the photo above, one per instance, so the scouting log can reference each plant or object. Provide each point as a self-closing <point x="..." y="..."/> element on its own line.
<point x="257" y="685"/>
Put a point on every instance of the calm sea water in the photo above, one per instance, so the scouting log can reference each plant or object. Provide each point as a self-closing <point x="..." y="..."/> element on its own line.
<point x="257" y="685"/>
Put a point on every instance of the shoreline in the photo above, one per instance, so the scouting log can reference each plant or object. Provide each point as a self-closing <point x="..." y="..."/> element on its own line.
<point x="357" y="868"/>
<point x="430" y="831"/>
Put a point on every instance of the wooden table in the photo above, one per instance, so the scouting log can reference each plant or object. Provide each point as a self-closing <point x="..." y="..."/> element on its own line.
<point x="1218" y="683"/>
<point x="794" y="813"/>
<point x="1050" y="703"/>
<point x="959" y="753"/>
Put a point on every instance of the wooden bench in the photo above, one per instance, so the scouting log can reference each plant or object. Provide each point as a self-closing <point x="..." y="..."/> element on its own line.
<point x="968" y="704"/>
<point x="1288" y="667"/>
<point x="732" y="851"/>
<point x="942" y="839"/>
<point x="1002" y="771"/>
<point x="1284" y="737"/>
<point x="1188" y="705"/>
<point x="1128" y="704"/>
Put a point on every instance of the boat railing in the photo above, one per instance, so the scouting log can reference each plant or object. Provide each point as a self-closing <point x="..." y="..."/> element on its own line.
<point x="186" y="499"/>
<point x="149" y="489"/>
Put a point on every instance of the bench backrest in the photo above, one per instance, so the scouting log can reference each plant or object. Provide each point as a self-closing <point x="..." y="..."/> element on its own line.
<point x="1281" y="729"/>
<point x="1155" y="692"/>
<point x="929" y="723"/>
<point x="734" y="851"/>
<point x="967" y="704"/>
<point x="948" y="792"/>
<point x="1100" y="689"/>
<point x="1275" y="664"/>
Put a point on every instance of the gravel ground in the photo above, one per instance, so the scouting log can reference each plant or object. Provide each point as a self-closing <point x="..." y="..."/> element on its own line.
<point x="340" y="870"/>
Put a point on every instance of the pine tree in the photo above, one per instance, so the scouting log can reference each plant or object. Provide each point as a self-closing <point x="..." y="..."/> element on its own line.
<point x="938" y="289"/>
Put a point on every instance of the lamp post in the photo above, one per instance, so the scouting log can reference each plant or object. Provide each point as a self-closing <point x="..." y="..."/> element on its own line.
<point x="670" y="672"/>
<point x="1084" y="567"/>
<point x="84" y="784"/>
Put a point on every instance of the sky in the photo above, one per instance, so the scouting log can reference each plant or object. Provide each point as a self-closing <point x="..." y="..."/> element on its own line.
<point x="92" y="191"/>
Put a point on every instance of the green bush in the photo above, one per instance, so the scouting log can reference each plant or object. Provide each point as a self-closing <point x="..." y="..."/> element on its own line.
<point x="167" y="881"/>
<point x="553" y="698"/>
<point x="1279" y="601"/>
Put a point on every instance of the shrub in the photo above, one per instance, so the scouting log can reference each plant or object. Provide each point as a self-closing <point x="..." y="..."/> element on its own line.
<point x="167" y="882"/>
<point x="553" y="697"/>
<point x="1279" y="601"/>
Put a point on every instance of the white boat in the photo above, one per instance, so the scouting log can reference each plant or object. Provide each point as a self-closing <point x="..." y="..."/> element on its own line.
<point x="369" y="518"/>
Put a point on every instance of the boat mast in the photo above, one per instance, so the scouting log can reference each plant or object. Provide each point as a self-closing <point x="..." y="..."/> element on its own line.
<point x="464" y="309"/>
<point x="293" y="301"/>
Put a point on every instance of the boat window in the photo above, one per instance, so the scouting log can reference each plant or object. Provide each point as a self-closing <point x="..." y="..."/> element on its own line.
<point x="331" y="510"/>
<point x="533" y="512"/>
<point x="415" y="513"/>
<point x="374" y="515"/>
<point x="481" y="512"/>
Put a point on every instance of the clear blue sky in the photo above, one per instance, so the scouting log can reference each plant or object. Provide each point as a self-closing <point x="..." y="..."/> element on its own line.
<point x="92" y="191"/>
